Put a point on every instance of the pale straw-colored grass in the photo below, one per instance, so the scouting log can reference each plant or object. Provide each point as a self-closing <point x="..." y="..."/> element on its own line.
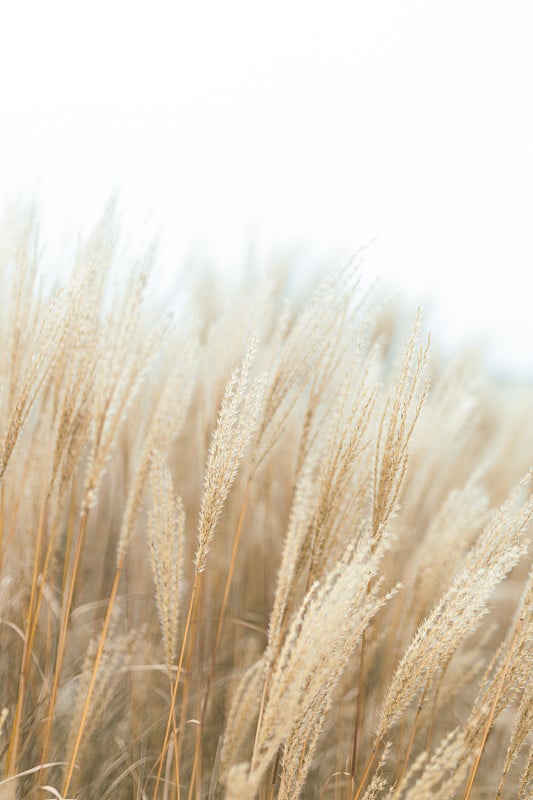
<point x="271" y="548"/>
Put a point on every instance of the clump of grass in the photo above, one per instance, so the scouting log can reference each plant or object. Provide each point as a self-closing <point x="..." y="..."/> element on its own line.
<point x="261" y="551"/>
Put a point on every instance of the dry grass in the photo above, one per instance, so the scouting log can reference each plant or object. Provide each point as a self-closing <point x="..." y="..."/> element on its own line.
<point x="251" y="553"/>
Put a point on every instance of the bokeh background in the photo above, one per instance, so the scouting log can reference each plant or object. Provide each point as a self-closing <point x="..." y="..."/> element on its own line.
<point x="244" y="130"/>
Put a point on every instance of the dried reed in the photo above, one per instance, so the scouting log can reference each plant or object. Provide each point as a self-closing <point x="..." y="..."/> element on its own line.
<point x="254" y="566"/>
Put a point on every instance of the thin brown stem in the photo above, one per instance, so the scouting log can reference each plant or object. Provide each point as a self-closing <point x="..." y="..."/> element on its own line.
<point x="192" y="604"/>
<point x="266" y="686"/>
<point x="70" y="533"/>
<point x="490" y="718"/>
<point x="11" y="759"/>
<point x="368" y="767"/>
<point x="67" y="603"/>
<point x="92" y="683"/>
<point x="412" y="736"/>
<point x="218" y="636"/>
<point x="273" y="779"/>
<point x="358" y="722"/>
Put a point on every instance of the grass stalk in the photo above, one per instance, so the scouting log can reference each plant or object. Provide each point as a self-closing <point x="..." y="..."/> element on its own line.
<point x="191" y="608"/>
<point x="411" y="741"/>
<point x="358" y="722"/>
<point x="218" y="636"/>
<point x="490" y="717"/>
<point x="90" y="688"/>
<point x="366" y="772"/>
<point x="31" y="621"/>
<point x="67" y="604"/>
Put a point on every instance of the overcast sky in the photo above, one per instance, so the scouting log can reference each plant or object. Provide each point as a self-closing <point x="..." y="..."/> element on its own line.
<point x="316" y="125"/>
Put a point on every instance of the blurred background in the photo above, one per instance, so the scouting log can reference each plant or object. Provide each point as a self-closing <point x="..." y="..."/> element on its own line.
<point x="240" y="131"/>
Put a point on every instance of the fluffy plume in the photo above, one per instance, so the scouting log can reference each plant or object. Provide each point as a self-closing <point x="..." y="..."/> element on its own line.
<point x="253" y="567"/>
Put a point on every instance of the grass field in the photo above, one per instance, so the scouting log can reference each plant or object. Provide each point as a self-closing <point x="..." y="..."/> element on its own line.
<point x="267" y="548"/>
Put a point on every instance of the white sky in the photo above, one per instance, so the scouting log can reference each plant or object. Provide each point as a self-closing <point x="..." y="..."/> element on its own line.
<point x="320" y="125"/>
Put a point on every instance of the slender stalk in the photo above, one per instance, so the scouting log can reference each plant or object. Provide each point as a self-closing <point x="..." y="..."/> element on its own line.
<point x="11" y="759"/>
<point x="339" y="764"/>
<point x="39" y="599"/>
<point x="70" y="531"/>
<point x="266" y="689"/>
<point x="178" y="744"/>
<point x="368" y="767"/>
<point x="431" y="728"/>
<point x="67" y="603"/>
<point x="412" y="736"/>
<point x="192" y="604"/>
<point x="218" y="636"/>
<point x="275" y="767"/>
<point x="490" y="718"/>
<point x="175" y="743"/>
<point x="266" y="686"/>
<point x="501" y="784"/>
<point x="358" y="722"/>
<point x="225" y="598"/>
<point x="92" y="683"/>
